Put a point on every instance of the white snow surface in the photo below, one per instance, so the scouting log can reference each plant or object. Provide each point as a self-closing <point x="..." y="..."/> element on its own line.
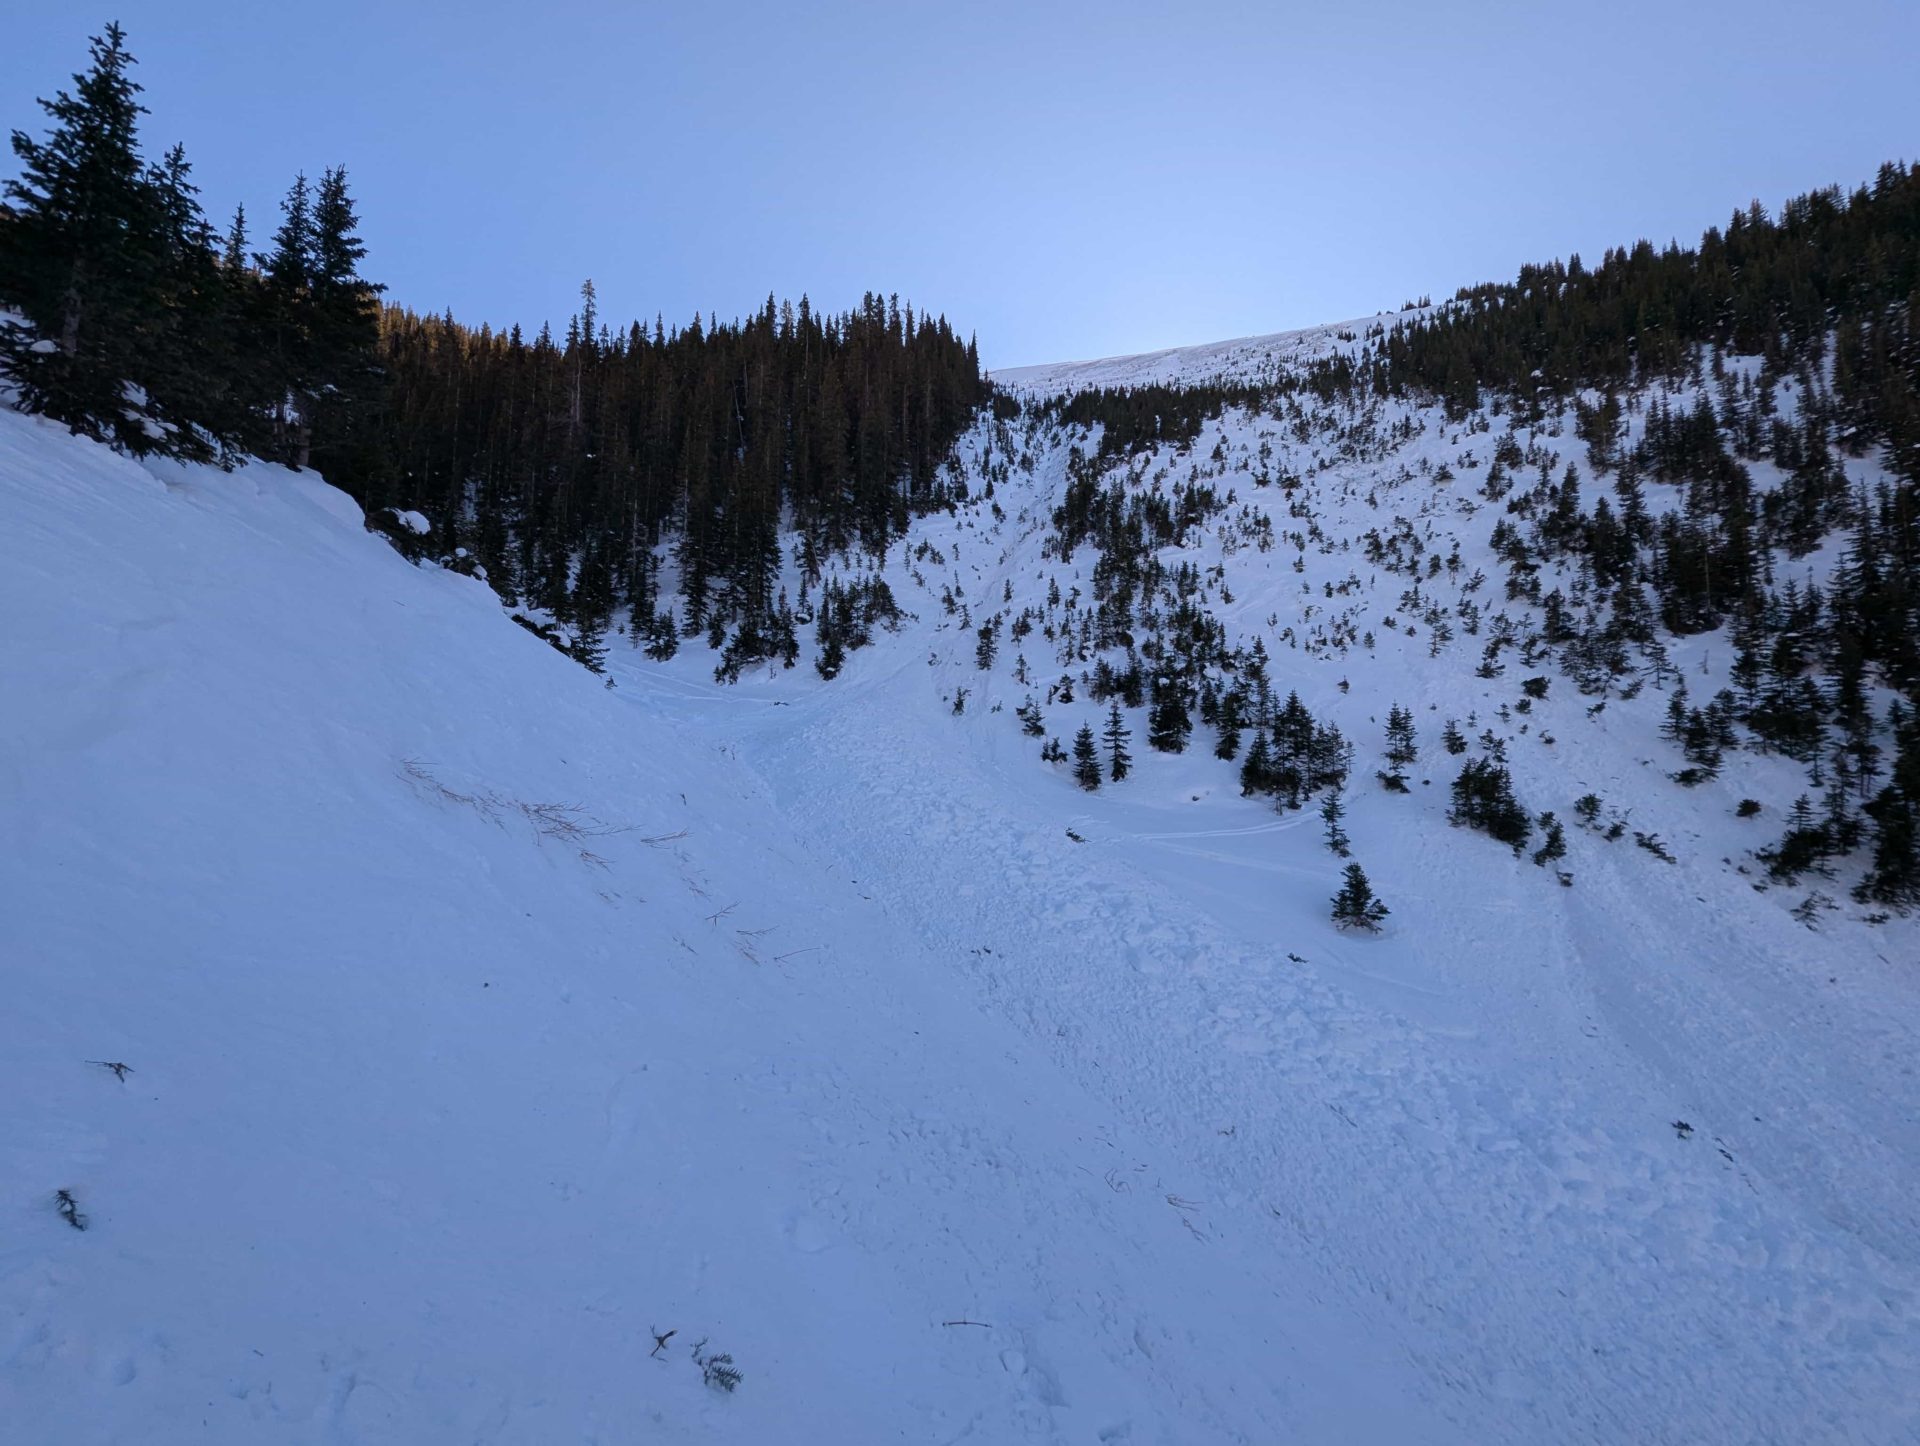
<point x="1250" y="359"/>
<point x="485" y="1023"/>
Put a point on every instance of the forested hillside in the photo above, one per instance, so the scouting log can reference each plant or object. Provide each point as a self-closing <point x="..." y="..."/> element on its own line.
<point x="561" y="470"/>
<point x="571" y="470"/>
<point x="1740" y="453"/>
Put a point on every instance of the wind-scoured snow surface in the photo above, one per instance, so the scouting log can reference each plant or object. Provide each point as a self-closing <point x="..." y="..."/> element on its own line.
<point x="486" y="1023"/>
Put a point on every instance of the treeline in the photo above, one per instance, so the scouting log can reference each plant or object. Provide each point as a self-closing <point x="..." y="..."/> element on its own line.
<point x="563" y="465"/>
<point x="565" y="470"/>
<point x="147" y="329"/>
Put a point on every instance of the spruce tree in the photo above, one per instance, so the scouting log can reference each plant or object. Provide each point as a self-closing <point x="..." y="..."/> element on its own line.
<point x="1168" y="724"/>
<point x="1086" y="759"/>
<point x="1355" y="906"/>
<point x="1119" y="761"/>
<point x="1893" y="877"/>
<point x="1232" y="704"/>
<point x="84" y="243"/>
<point x="1333" y="812"/>
<point x="289" y="374"/>
<point x="1483" y="799"/>
<point x="1402" y="751"/>
<point x="1555" y="847"/>
<point x="1256" y="769"/>
<point x="344" y="332"/>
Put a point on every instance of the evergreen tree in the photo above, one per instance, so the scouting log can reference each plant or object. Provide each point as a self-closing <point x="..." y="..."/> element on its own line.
<point x="1555" y="846"/>
<point x="1483" y="799"/>
<point x="92" y="258"/>
<point x="1402" y="751"/>
<point x="1893" y="877"/>
<point x="344" y="330"/>
<point x="1333" y="812"/>
<point x="287" y="352"/>
<point x="1168" y="724"/>
<point x="1232" y="704"/>
<point x="1256" y="769"/>
<point x="1355" y="906"/>
<point x="1086" y="759"/>
<point x="1119" y="761"/>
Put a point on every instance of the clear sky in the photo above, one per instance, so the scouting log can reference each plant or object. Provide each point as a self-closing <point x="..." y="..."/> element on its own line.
<point x="1066" y="180"/>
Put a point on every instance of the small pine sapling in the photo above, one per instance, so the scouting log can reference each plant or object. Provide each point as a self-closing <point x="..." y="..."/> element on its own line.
<point x="1555" y="847"/>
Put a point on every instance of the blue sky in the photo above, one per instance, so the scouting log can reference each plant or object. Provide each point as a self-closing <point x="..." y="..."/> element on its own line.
<point x="1065" y="180"/>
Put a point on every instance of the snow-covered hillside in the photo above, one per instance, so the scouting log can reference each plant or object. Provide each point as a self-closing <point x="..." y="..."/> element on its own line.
<point x="1251" y="359"/>
<point x="484" y="1022"/>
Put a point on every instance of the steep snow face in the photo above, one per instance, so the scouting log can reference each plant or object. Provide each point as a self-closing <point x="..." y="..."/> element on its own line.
<point x="482" y="1025"/>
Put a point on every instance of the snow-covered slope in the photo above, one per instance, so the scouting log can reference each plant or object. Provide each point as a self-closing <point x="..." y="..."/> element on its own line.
<point x="1633" y="1159"/>
<point x="482" y="1023"/>
<point x="485" y="1022"/>
<point x="1249" y="359"/>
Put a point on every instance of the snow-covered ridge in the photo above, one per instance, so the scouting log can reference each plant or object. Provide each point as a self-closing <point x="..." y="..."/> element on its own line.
<point x="1250" y="359"/>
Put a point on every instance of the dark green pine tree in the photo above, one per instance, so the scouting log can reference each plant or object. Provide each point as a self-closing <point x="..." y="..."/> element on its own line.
<point x="1168" y="724"/>
<point x="321" y="328"/>
<point x="286" y="360"/>
<point x="1086" y="759"/>
<point x="1555" y="847"/>
<point x="1483" y="799"/>
<point x="1402" y="750"/>
<point x="1333" y="813"/>
<point x="344" y="331"/>
<point x="986" y="646"/>
<point x="1355" y="906"/>
<point x="1893" y="876"/>
<point x="1232" y="707"/>
<point x="1116" y="736"/>
<point x="191" y="373"/>
<point x="83" y="258"/>
<point x="1256" y="769"/>
<point x="590" y="608"/>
